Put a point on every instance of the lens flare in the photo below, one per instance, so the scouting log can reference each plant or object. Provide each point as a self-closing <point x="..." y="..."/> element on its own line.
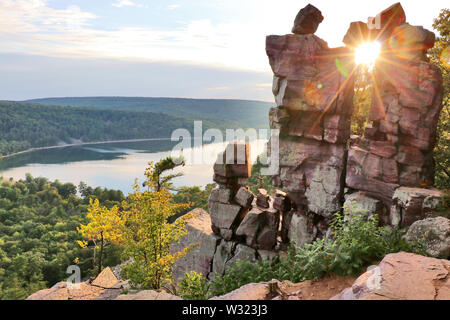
<point x="367" y="53"/>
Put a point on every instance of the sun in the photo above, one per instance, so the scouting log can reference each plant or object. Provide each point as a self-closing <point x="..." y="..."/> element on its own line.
<point x="367" y="53"/>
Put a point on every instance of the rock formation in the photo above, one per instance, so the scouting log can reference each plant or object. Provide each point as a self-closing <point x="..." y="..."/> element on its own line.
<point x="321" y="167"/>
<point x="396" y="150"/>
<point x="313" y="89"/>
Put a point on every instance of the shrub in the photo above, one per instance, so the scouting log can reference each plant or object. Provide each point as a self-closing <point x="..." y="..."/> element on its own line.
<point x="194" y="286"/>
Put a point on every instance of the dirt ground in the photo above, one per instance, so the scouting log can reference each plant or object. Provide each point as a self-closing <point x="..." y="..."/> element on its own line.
<point x="322" y="289"/>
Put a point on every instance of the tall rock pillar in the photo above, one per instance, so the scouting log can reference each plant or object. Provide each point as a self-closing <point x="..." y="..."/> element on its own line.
<point x="397" y="147"/>
<point x="313" y="89"/>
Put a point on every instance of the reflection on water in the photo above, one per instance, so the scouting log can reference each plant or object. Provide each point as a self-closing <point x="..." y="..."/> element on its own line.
<point x="114" y="166"/>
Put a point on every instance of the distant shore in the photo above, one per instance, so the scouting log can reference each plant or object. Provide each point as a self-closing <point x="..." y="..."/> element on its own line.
<point x="79" y="144"/>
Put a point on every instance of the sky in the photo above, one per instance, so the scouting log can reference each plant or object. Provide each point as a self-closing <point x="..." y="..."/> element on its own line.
<point x="161" y="48"/>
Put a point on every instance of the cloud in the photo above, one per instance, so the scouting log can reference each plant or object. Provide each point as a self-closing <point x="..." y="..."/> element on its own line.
<point x="174" y="6"/>
<point x="30" y="26"/>
<point x="27" y="77"/>
<point x="24" y="18"/>
<point x="125" y="3"/>
<point x="235" y="39"/>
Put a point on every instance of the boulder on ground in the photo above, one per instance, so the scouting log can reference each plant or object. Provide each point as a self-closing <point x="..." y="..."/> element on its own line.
<point x="434" y="233"/>
<point x="402" y="276"/>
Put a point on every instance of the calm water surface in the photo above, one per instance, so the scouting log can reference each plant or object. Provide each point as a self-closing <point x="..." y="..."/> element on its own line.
<point x="114" y="166"/>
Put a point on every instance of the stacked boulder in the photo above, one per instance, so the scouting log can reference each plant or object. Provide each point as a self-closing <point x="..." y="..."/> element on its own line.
<point x="230" y="202"/>
<point x="247" y="224"/>
<point x="313" y="89"/>
<point x="397" y="147"/>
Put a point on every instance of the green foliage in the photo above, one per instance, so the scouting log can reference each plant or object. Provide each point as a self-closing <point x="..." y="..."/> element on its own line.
<point x="147" y="233"/>
<point x="443" y="208"/>
<point x="439" y="55"/>
<point x="194" y="195"/>
<point x="194" y="287"/>
<point x="38" y="220"/>
<point x="154" y="173"/>
<point x="24" y="126"/>
<point x="104" y="228"/>
<point x="238" y="114"/>
<point x="258" y="181"/>
<point x="355" y="242"/>
<point x="244" y="272"/>
<point x="362" y="99"/>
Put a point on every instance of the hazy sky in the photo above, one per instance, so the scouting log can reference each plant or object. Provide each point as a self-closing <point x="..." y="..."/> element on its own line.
<point x="176" y="48"/>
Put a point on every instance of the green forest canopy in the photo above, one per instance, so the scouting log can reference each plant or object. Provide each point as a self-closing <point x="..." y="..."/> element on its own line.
<point x="24" y="126"/>
<point x="233" y="113"/>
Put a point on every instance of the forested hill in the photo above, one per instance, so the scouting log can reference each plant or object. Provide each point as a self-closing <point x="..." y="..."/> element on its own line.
<point x="233" y="113"/>
<point x="25" y="125"/>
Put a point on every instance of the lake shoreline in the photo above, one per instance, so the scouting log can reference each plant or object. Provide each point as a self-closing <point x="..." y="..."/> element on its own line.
<point x="80" y="144"/>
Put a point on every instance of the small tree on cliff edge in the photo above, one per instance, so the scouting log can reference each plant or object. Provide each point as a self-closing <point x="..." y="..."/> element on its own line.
<point x="148" y="237"/>
<point x="154" y="173"/>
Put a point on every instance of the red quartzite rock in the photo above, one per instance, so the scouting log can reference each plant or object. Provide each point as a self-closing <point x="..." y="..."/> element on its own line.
<point x="402" y="276"/>
<point x="413" y="204"/>
<point x="307" y="20"/>
<point x="382" y="26"/>
<point x="244" y="197"/>
<point x="357" y="33"/>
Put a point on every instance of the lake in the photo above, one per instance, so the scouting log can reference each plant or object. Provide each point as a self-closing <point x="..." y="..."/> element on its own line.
<point x="115" y="165"/>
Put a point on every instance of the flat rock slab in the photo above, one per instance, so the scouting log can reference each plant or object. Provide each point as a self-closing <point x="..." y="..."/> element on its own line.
<point x="402" y="276"/>
<point x="200" y="258"/>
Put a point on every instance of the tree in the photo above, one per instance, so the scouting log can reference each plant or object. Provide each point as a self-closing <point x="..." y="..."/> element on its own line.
<point x="154" y="173"/>
<point x="440" y="56"/>
<point x="362" y="99"/>
<point x="194" y="195"/>
<point x="148" y="235"/>
<point x="259" y="181"/>
<point x="104" y="227"/>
